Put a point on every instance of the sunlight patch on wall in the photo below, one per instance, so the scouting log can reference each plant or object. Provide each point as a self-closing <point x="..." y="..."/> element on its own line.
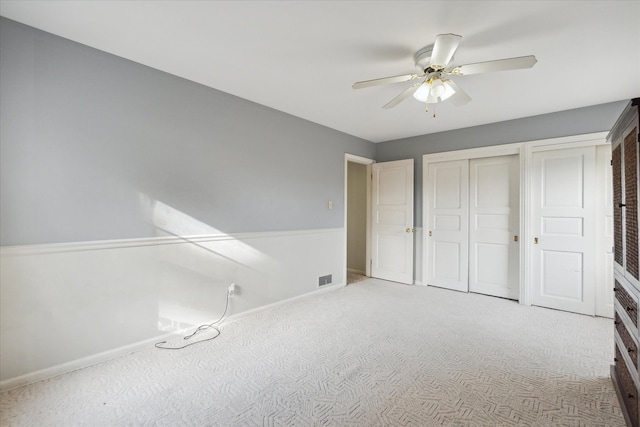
<point x="198" y="267"/>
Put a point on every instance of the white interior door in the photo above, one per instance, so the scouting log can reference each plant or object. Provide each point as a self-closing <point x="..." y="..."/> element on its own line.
<point x="447" y="225"/>
<point x="493" y="226"/>
<point x="563" y="229"/>
<point x="392" y="221"/>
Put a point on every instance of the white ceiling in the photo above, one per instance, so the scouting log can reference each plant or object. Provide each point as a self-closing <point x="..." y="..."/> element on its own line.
<point x="302" y="57"/>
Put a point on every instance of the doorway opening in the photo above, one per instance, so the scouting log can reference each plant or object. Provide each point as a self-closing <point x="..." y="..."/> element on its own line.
<point x="357" y="221"/>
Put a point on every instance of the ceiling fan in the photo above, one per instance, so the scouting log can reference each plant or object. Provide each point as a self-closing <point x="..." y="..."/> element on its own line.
<point x="435" y="63"/>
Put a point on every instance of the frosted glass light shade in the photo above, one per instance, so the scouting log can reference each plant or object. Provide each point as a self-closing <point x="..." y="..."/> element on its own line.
<point x="422" y="93"/>
<point x="448" y="92"/>
<point x="438" y="88"/>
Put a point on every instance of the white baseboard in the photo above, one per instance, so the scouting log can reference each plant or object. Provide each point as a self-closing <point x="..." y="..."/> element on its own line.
<point x="95" y="359"/>
<point x="325" y="288"/>
<point x="84" y="362"/>
<point x="157" y="287"/>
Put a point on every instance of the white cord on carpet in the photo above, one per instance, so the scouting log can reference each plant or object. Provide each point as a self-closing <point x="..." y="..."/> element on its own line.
<point x="212" y="325"/>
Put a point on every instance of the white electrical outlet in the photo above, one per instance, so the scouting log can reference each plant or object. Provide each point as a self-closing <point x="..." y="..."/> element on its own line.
<point x="232" y="289"/>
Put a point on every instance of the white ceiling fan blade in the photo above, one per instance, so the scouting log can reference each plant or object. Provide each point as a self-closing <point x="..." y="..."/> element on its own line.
<point x="386" y="80"/>
<point x="460" y="97"/>
<point x="398" y="99"/>
<point x="443" y="49"/>
<point x="497" y="65"/>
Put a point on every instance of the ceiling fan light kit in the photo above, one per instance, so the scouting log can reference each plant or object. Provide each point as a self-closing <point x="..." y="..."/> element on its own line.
<point x="434" y="62"/>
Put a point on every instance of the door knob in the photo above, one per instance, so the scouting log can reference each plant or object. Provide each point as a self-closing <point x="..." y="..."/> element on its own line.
<point x="535" y="240"/>
<point x="515" y="238"/>
<point x="408" y="230"/>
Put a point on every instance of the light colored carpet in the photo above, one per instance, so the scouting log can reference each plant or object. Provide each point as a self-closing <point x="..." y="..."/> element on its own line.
<point x="372" y="353"/>
<point x="355" y="277"/>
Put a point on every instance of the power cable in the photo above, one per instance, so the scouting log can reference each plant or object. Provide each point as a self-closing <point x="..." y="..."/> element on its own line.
<point x="212" y="325"/>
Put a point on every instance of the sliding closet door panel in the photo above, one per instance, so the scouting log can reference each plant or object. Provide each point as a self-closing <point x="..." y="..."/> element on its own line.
<point x="563" y="226"/>
<point x="493" y="226"/>
<point x="447" y="238"/>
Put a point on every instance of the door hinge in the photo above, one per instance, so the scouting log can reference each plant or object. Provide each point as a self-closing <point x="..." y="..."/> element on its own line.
<point x="611" y="163"/>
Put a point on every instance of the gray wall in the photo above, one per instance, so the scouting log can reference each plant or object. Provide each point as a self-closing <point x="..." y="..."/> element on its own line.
<point x="88" y="139"/>
<point x="586" y="120"/>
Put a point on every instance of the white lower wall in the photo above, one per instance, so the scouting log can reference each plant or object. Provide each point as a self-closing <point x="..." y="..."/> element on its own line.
<point x="64" y="306"/>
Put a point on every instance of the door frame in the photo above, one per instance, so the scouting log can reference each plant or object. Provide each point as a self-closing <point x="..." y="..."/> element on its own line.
<point x="369" y="163"/>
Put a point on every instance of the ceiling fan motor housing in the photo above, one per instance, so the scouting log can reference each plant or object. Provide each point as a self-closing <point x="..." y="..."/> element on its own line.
<point x="423" y="58"/>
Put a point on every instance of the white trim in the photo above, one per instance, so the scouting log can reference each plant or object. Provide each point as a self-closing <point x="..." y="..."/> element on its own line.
<point x="165" y="273"/>
<point x="525" y="218"/>
<point x="95" y="359"/>
<point x="586" y="140"/>
<point x="358" y="159"/>
<point x="473" y="153"/>
<point x="49" y="248"/>
<point x="84" y="362"/>
<point x="418" y="249"/>
<point x="604" y="210"/>
<point x="267" y="307"/>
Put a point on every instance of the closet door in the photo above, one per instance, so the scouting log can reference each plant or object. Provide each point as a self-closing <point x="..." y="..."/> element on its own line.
<point x="493" y="226"/>
<point x="447" y="225"/>
<point x="563" y="226"/>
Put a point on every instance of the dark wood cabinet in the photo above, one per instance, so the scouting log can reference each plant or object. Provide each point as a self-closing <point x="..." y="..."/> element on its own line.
<point x="625" y="146"/>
